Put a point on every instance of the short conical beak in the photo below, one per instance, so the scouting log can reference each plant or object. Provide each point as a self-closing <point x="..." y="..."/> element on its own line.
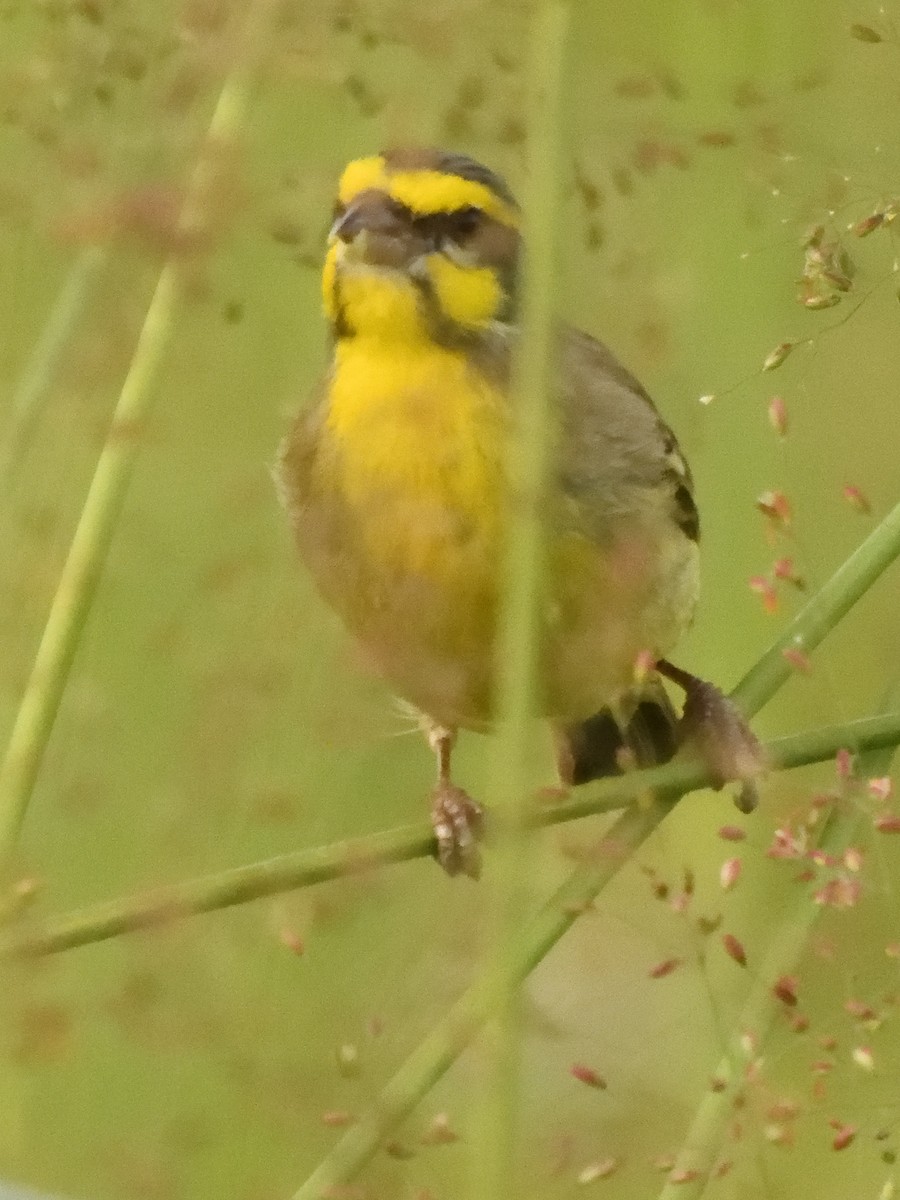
<point x="374" y="231"/>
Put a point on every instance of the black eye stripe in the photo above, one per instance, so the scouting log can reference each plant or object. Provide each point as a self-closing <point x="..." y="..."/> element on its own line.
<point x="459" y="222"/>
<point x="454" y="223"/>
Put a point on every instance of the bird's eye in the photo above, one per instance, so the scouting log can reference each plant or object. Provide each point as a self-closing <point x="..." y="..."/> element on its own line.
<point x="338" y="210"/>
<point x="465" y="221"/>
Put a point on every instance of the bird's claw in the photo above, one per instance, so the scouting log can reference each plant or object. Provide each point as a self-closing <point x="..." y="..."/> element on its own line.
<point x="724" y="740"/>
<point x="458" y="823"/>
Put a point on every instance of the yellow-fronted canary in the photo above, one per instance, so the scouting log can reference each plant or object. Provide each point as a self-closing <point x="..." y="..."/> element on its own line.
<point x="397" y="488"/>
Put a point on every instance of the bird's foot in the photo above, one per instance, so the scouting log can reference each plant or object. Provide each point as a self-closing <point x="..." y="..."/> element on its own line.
<point x="458" y="823"/>
<point x="718" y="730"/>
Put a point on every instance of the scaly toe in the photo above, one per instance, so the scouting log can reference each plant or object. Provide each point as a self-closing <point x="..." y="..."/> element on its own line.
<point x="724" y="740"/>
<point x="458" y="823"/>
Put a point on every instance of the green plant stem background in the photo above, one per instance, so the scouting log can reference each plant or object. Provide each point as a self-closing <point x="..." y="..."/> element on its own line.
<point x="216" y="743"/>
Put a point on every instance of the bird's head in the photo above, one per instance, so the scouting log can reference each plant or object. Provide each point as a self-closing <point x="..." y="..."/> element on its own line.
<point x="424" y="245"/>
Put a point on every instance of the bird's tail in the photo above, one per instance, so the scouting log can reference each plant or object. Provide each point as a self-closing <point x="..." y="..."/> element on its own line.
<point x="609" y="743"/>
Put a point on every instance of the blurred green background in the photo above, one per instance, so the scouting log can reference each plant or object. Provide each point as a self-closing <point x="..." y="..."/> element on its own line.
<point x="216" y="714"/>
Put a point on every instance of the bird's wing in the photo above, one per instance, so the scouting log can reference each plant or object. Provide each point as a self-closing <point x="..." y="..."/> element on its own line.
<point x="616" y="451"/>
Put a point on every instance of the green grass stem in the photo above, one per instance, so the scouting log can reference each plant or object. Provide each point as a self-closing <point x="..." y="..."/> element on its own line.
<point x="305" y="868"/>
<point x="530" y="461"/>
<point x="87" y="555"/>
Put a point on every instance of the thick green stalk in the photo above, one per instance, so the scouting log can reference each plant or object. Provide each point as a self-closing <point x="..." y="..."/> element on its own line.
<point x="93" y="535"/>
<point x="305" y="868"/>
<point x="530" y="460"/>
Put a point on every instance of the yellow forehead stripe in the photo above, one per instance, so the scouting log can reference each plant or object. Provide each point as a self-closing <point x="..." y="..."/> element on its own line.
<point x="361" y="174"/>
<point x="433" y="191"/>
<point x="423" y="191"/>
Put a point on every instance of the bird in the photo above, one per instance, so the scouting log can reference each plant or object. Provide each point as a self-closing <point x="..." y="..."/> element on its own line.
<point x="396" y="483"/>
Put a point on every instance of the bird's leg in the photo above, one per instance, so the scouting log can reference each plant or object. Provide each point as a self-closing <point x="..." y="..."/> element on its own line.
<point x="717" y="728"/>
<point x="456" y="818"/>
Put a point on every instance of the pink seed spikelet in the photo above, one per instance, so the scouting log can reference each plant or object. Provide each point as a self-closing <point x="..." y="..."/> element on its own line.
<point x="784" y="570"/>
<point x="853" y="859"/>
<point x="732" y="833"/>
<point x="785" y="990"/>
<point x="766" y="592"/>
<point x="838" y="893"/>
<point x="734" y="949"/>
<point x="859" y="1010"/>
<point x="586" y="1074"/>
<point x="776" y="506"/>
<point x="666" y="967"/>
<point x="684" y="1175"/>
<point x="778" y="415"/>
<point x="797" y="659"/>
<point x="598" y="1170"/>
<point x="880" y="789"/>
<point x="854" y="497"/>
<point x="844" y="1135"/>
<point x="777" y="356"/>
<point x="729" y="873"/>
<point x="843" y="763"/>
<point x="863" y="1058"/>
<point x="868" y="224"/>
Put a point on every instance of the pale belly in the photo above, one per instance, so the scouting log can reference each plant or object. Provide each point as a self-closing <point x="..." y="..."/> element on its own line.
<point x="428" y="627"/>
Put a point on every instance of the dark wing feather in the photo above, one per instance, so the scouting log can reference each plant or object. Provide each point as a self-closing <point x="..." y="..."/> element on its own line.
<point x="615" y="444"/>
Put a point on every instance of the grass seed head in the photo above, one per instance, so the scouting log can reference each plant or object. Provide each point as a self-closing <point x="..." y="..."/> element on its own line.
<point x="785" y="990"/>
<point x="337" y="1119"/>
<point x="730" y="873"/>
<point x="778" y="415"/>
<point x="776" y="357"/>
<point x="763" y="588"/>
<point x="684" y="1175"/>
<point x="784" y="570"/>
<point x="734" y="949"/>
<point x="856" y="499"/>
<point x="732" y="833"/>
<point x="586" y="1074"/>
<point x="880" y="789"/>
<point x="853" y="859"/>
<point x="844" y="1136"/>
<point x="821" y="300"/>
<point x="602" y="1169"/>
<point x="439" y="1132"/>
<point x="666" y="967"/>
<point x="776" y="506"/>
<point x="843" y="764"/>
<point x="348" y="1062"/>
<point x="868" y="224"/>
<point x="863" y="1057"/>
<point x="797" y="659"/>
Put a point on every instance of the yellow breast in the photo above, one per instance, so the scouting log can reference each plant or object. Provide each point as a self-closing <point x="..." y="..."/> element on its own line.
<point x="412" y="458"/>
<point x="421" y="437"/>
